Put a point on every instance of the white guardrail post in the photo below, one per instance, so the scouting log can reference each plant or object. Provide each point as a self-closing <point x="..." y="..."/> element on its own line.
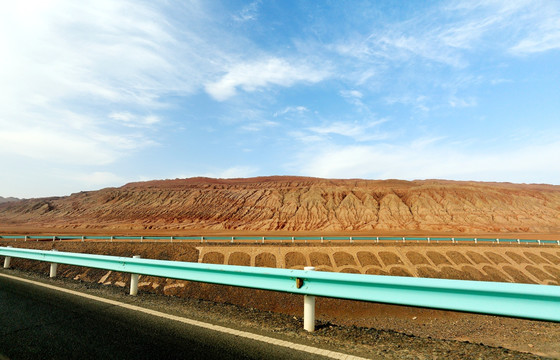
<point x="7" y="260"/>
<point x="54" y="268"/>
<point x="309" y="308"/>
<point x="134" y="280"/>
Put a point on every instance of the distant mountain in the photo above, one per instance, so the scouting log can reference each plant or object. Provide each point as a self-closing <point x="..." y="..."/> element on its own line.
<point x="8" y="199"/>
<point x="292" y="204"/>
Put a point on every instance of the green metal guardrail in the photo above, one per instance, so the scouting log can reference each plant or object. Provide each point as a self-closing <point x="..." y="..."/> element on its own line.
<point x="541" y="302"/>
<point x="281" y="239"/>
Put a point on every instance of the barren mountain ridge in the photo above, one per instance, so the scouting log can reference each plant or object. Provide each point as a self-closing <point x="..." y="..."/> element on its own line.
<point x="299" y="204"/>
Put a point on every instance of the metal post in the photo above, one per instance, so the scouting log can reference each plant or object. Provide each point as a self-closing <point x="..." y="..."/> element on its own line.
<point x="539" y="242"/>
<point x="292" y="239"/>
<point x="232" y="238"/>
<point x="171" y="239"/>
<point x="309" y="308"/>
<point x="403" y="239"/>
<point x="134" y="280"/>
<point x="7" y="261"/>
<point x="519" y="241"/>
<point x="25" y="239"/>
<point x="83" y="238"/>
<point x="53" y="238"/>
<point x="54" y="268"/>
<point x="201" y="239"/>
<point x="322" y="239"/>
<point x="475" y="240"/>
<point x="263" y="239"/>
<point x="351" y="241"/>
<point x="377" y="239"/>
<point x="497" y="241"/>
<point x="428" y="240"/>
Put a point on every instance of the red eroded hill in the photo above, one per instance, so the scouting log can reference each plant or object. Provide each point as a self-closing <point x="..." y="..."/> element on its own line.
<point x="296" y="204"/>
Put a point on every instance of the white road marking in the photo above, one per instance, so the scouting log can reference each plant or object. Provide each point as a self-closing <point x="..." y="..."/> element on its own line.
<point x="222" y="329"/>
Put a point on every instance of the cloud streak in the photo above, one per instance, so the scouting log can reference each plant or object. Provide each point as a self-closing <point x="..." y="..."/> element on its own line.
<point x="255" y="75"/>
<point x="432" y="159"/>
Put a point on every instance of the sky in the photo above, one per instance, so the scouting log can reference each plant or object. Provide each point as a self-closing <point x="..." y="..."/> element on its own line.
<point x="100" y="93"/>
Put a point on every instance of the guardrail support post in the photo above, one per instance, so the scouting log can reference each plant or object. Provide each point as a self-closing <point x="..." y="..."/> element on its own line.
<point x="309" y="308"/>
<point x="7" y="261"/>
<point x="25" y="239"/>
<point x="54" y="268"/>
<point x="134" y="280"/>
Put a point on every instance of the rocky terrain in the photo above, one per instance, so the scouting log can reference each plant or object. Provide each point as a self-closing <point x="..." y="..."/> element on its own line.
<point x="297" y="204"/>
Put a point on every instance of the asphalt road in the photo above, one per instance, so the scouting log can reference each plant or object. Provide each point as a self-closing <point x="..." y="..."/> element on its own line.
<point x="40" y="323"/>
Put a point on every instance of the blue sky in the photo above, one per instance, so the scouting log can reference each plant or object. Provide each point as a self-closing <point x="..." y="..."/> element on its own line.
<point x="101" y="93"/>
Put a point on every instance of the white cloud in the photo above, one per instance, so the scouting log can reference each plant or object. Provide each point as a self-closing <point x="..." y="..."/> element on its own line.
<point x="291" y="109"/>
<point x="228" y="173"/>
<point x="356" y="131"/>
<point x="252" y="76"/>
<point x="248" y="13"/>
<point x="432" y="158"/>
<point x="545" y="37"/>
<point x="462" y="103"/>
<point x="134" y="121"/>
<point x="99" y="179"/>
<point x="259" y="125"/>
<point x="351" y="94"/>
<point x="65" y="64"/>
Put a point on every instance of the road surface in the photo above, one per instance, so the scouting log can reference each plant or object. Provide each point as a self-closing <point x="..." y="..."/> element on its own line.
<point x="40" y="323"/>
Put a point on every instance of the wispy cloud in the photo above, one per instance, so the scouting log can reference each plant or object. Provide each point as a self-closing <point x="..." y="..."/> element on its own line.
<point x="135" y="121"/>
<point x="366" y="131"/>
<point x="61" y="60"/>
<point x="544" y="34"/>
<point x="248" y="13"/>
<point x="227" y="173"/>
<point x="431" y="158"/>
<point x="291" y="109"/>
<point x="255" y="75"/>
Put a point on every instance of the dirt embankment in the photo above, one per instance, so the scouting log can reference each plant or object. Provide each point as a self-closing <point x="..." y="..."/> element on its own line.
<point x="511" y="263"/>
<point x="296" y="204"/>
